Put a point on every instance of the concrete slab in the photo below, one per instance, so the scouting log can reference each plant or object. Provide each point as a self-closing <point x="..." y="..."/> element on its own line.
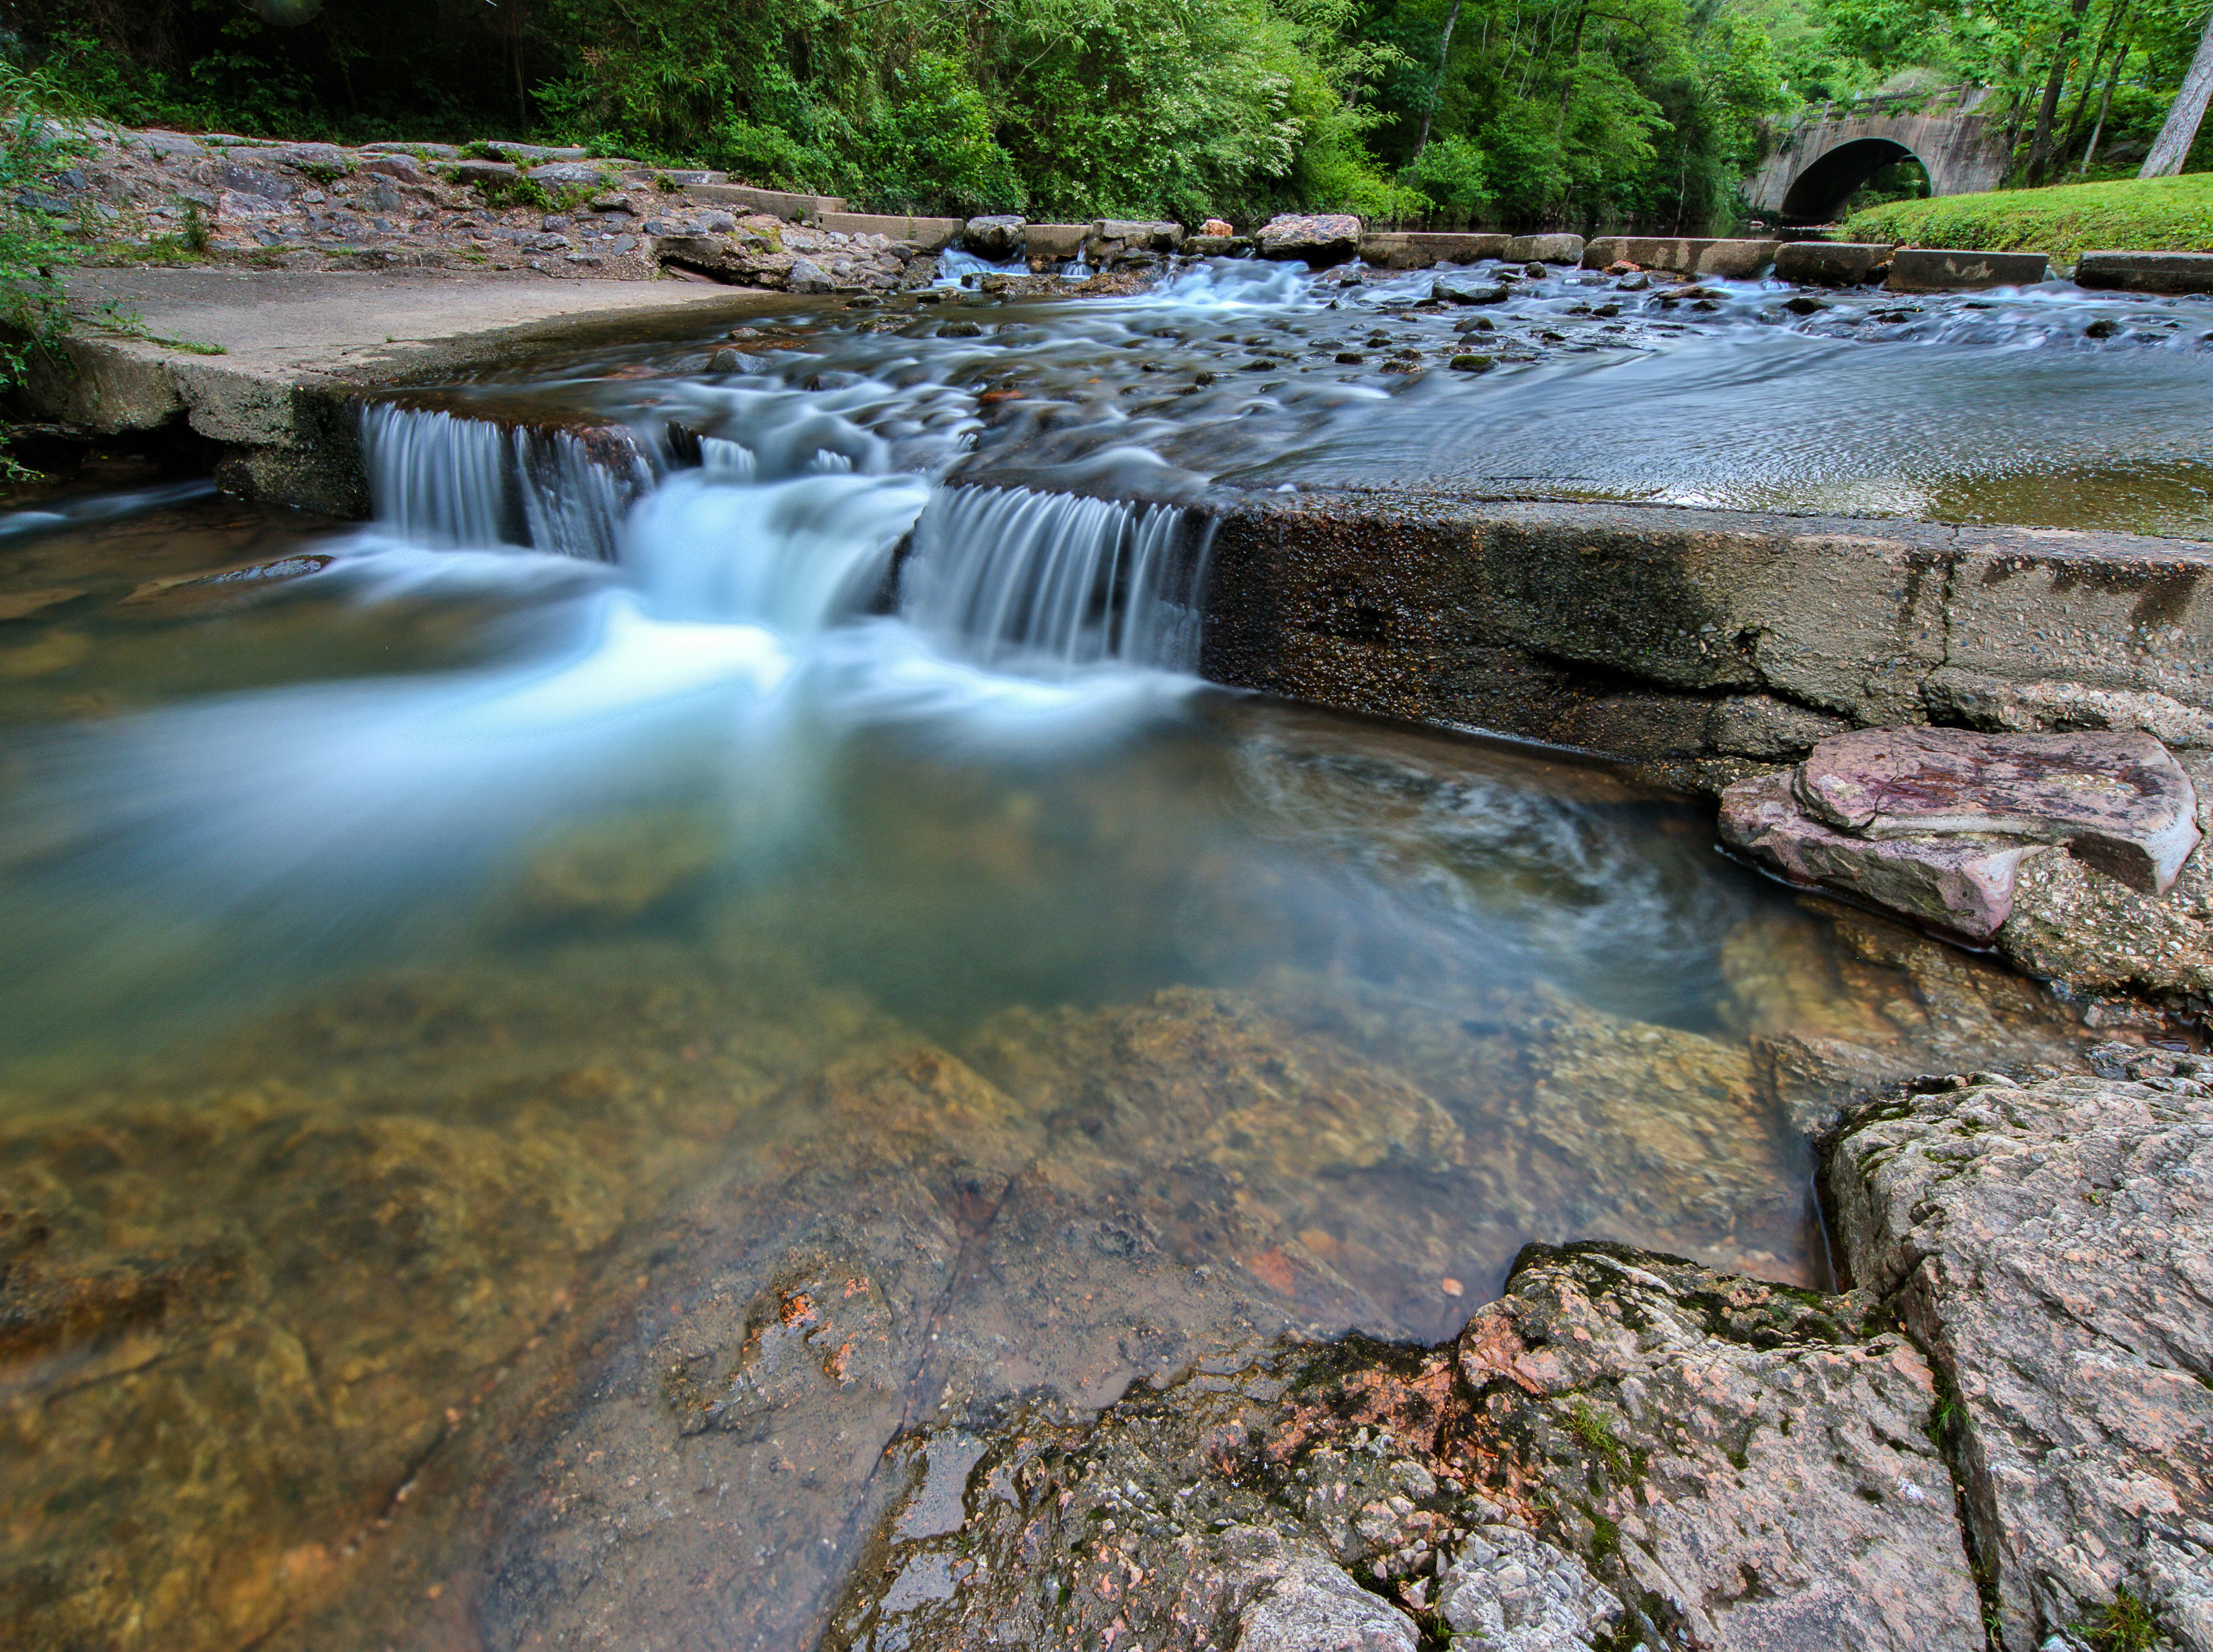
<point x="1679" y="253"/>
<point x="1736" y="261"/>
<point x="1545" y="249"/>
<point x="295" y="345"/>
<point x="1830" y="263"/>
<point x="2146" y="273"/>
<point x="1941" y="270"/>
<point x="1449" y="247"/>
<point x="792" y="208"/>
<point x="930" y="233"/>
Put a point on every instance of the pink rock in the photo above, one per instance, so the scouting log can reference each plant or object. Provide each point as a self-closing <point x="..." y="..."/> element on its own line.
<point x="1216" y="227"/>
<point x="1960" y="883"/>
<point x="2118" y="801"/>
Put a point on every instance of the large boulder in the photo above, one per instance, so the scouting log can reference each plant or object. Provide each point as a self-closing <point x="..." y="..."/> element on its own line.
<point x="1316" y="239"/>
<point x="2050" y="1246"/>
<point x="998" y="237"/>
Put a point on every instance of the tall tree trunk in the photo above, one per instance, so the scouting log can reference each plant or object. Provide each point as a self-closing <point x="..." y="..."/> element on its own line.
<point x="2112" y="79"/>
<point x="1437" y="82"/>
<point x="2013" y="128"/>
<point x="2039" y="148"/>
<point x="2180" y="131"/>
<point x="2118" y="11"/>
<point x="1568" y="80"/>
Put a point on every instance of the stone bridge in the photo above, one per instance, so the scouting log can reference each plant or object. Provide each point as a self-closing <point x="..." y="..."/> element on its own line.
<point x="1820" y="161"/>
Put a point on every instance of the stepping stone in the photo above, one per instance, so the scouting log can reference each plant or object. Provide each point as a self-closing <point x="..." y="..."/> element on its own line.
<point x="2116" y="801"/>
<point x="1959" y="883"/>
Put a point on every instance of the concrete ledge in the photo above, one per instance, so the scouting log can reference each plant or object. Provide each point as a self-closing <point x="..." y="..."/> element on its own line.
<point x="1417" y="249"/>
<point x="1938" y="270"/>
<point x="1830" y="263"/>
<point x="1545" y="249"/>
<point x="792" y="208"/>
<point x="1737" y="260"/>
<point x="297" y="347"/>
<point x="1721" y="638"/>
<point x="1646" y="251"/>
<point x="930" y="233"/>
<point x="2146" y="273"/>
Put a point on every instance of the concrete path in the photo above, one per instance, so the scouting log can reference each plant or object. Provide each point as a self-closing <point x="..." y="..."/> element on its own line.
<point x="280" y="350"/>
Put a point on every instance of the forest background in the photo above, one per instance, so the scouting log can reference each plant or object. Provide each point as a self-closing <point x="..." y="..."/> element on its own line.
<point x="1590" y="115"/>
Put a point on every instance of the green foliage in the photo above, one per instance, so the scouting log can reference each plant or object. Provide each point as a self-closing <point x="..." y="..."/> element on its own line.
<point x="2126" y="1625"/>
<point x="2152" y="214"/>
<point x="37" y="234"/>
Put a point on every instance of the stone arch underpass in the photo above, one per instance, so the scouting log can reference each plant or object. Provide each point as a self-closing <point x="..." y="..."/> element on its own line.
<point x="1820" y="162"/>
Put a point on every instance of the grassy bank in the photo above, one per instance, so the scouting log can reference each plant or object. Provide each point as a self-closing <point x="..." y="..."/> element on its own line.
<point x="2149" y="215"/>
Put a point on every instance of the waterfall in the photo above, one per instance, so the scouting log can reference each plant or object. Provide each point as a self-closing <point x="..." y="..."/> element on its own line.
<point x="1057" y="579"/>
<point x="442" y="480"/>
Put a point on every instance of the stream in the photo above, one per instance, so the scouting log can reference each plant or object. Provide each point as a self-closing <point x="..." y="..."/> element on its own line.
<point x="739" y="841"/>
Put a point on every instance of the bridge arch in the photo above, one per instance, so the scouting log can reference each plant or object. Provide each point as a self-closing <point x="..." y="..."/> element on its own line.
<point x="1820" y="161"/>
<point x="1825" y="183"/>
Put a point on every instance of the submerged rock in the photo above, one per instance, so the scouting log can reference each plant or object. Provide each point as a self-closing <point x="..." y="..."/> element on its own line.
<point x="2052" y="1247"/>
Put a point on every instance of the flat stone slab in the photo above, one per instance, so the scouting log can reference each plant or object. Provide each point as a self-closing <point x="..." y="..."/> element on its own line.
<point x="2050" y="1247"/>
<point x="2119" y="800"/>
<point x="1680" y="253"/>
<point x="1830" y="263"/>
<point x="1545" y="249"/>
<point x="1961" y="884"/>
<point x="928" y="234"/>
<point x="1939" y="270"/>
<point x="779" y="203"/>
<point x="2146" y="273"/>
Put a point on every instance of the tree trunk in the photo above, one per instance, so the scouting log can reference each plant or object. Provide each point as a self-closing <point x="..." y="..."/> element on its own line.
<point x="1568" y="81"/>
<point x="1437" y="84"/>
<point x="2013" y="130"/>
<point x="2112" y="79"/>
<point x="2180" y="131"/>
<point x="2090" y="76"/>
<point x="2039" y="148"/>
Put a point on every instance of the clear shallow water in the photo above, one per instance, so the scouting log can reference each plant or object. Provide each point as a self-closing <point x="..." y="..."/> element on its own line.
<point x="438" y="965"/>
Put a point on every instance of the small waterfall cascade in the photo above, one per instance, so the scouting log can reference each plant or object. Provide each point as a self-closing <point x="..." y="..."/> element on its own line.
<point x="1058" y="580"/>
<point x="439" y="479"/>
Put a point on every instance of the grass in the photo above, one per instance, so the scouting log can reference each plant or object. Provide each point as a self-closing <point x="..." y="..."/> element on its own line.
<point x="2154" y="214"/>
<point x="2126" y="1625"/>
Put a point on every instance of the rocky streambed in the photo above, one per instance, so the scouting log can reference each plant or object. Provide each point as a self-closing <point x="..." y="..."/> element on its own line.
<point x="704" y="1034"/>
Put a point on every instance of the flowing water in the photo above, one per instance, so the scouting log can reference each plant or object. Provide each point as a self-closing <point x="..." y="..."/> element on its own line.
<point x="727" y="839"/>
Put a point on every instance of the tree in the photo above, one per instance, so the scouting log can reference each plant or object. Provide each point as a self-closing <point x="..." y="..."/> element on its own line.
<point x="2180" y="131"/>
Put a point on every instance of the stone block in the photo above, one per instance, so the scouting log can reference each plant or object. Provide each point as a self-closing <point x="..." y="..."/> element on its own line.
<point x="1939" y="270"/>
<point x="1646" y="251"/>
<point x="996" y="237"/>
<point x="1736" y="261"/>
<point x="931" y="234"/>
<point x="1544" y="249"/>
<point x="2146" y="273"/>
<point x="777" y="202"/>
<point x="1054" y="240"/>
<point x="1449" y="247"/>
<point x="1829" y="263"/>
<point x="1395" y="253"/>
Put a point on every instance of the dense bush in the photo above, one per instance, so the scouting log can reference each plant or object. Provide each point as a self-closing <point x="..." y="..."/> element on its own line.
<point x="1584" y="114"/>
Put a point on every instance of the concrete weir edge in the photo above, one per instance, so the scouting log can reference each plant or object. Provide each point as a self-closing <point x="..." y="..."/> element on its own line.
<point x="1705" y="644"/>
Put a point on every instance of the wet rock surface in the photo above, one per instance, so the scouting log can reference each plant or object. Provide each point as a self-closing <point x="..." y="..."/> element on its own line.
<point x="1626" y="1450"/>
<point x="2048" y="1245"/>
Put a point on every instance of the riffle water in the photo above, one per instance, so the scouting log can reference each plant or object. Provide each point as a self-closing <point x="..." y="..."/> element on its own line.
<point x="720" y="841"/>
